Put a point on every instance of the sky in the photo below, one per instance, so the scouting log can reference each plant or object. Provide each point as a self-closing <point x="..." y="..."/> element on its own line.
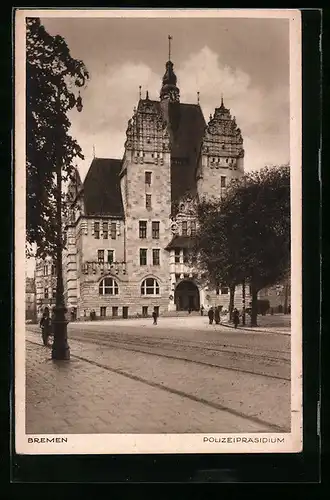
<point x="244" y="60"/>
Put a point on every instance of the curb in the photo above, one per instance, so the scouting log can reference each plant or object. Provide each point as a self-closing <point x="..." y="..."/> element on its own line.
<point x="259" y="330"/>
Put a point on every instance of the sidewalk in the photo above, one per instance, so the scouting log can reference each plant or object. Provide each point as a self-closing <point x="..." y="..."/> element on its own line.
<point x="281" y="325"/>
<point x="268" y="324"/>
<point x="102" y="391"/>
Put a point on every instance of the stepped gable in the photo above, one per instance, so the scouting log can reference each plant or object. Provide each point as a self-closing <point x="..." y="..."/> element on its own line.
<point x="102" y="195"/>
<point x="222" y="135"/>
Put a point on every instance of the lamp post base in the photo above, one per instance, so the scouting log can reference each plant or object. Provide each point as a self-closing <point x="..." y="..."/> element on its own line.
<point x="60" y="348"/>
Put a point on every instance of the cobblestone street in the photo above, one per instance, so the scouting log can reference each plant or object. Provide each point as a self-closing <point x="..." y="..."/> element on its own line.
<point x="124" y="379"/>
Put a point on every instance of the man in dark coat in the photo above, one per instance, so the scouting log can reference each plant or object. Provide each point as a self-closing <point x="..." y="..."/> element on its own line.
<point x="211" y="315"/>
<point x="235" y="317"/>
<point x="154" y="315"/>
<point x="45" y="325"/>
<point x="217" y="315"/>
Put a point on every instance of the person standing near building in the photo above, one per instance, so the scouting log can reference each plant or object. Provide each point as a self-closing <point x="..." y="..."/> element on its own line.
<point x="211" y="315"/>
<point x="154" y="315"/>
<point x="202" y="310"/>
<point x="235" y="317"/>
<point x="217" y="315"/>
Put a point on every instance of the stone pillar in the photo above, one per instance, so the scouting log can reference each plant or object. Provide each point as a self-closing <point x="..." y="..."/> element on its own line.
<point x="171" y="304"/>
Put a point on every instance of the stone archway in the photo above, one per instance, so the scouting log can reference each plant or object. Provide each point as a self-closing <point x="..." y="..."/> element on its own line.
<point x="186" y="296"/>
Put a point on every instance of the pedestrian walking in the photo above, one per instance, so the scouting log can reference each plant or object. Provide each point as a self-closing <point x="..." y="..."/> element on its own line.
<point x="211" y="315"/>
<point x="217" y="315"/>
<point x="45" y="324"/>
<point x="154" y="315"/>
<point x="202" y="311"/>
<point x="235" y="317"/>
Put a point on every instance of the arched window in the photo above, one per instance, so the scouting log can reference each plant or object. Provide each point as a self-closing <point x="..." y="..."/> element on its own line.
<point x="150" y="286"/>
<point x="108" y="286"/>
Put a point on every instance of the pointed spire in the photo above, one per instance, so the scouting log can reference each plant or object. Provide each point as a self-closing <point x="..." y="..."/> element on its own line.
<point x="147" y="95"/>
<point x="197" y="97"/>
<point x="93" y="151"/>
<point x="210" y="116"/>
<point x="169" y="46"/>
<point x="169" y="89"/>
<point x="140" y="88"/>
<point x="222" y="105"/>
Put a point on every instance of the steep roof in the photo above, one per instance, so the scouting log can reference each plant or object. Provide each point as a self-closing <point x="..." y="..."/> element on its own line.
<point x="102" y="195"/>
<point x="187" y="125"/>
<point x="181" y="242"/>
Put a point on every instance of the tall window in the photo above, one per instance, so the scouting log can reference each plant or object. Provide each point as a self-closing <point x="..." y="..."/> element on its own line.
<point x="147" y="178"/>
<point x="53" y="270"/>
<point x="54" y="292"/>
<point x="105" y="230"/>
<point x="108" y="286"/>
<point x="148" y="201"/>
<point x="100" y="255"/>
<point x="143" y="256"/>
<point x="223" y="181"/>
<point x="184" y="228"/>
<point x="45" y="270"/>
<point x="185" y="256"/>
<point x="155" y="257"/>
<point x="155" y="230"/>
<point x="177" y="255"/>
<point x="143" y="229"/>
<point x="113" y="230"/>
<point x="97" y="230"/>
<point x="46" y="293"/>
<point x="110" y="256"/>
<point x="193" y="228"/>
<point x="150" y="287"/>
<point x="103" y="312"/>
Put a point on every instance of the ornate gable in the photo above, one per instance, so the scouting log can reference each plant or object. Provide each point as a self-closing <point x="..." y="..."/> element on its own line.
<point x="222" y="137"/>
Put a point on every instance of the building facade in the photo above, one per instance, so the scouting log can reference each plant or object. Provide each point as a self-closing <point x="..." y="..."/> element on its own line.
<point x="30" y="299"/>
<point x="131" y="221"/>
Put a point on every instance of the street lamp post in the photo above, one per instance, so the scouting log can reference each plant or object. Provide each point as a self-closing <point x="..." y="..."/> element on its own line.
<point x="243" y="300"/>
<point x="60" y="348"/>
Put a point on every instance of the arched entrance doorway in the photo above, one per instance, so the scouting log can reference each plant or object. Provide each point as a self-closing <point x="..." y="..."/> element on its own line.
<point x="186" y="296"/>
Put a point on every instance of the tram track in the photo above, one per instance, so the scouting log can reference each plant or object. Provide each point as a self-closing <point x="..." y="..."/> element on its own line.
<point x="143" y="348"/>
<point x="164" y="342"/>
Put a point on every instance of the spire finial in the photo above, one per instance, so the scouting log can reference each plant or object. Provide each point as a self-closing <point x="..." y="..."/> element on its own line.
<point x="93" y="151"/>
<point x="221" y="99"/>
<point x="169" y="46"/>
<point x="197" y="97"/>
<point x="140" y="91"/>
<point x="147" y="94"/>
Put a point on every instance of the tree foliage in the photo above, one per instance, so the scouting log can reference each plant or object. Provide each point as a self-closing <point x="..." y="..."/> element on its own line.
<point x="51" y="78"/>
<point x="246" y="235"/>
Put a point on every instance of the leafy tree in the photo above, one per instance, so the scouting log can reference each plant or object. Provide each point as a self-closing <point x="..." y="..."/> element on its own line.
<point x="247" y="234"/>
<point x="51" y="76"/>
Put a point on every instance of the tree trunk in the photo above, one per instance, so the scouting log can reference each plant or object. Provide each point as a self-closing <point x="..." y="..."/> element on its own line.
<point x="231" y="301"/>
<point x="286" y="293"/>
<point x="254" y="305"/>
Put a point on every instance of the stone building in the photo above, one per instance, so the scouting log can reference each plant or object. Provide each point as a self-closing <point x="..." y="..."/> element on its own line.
<point x="131" y="221"/>
<point x="30" y="299"/>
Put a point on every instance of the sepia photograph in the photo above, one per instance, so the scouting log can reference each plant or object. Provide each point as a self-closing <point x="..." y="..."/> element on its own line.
<point x="158" y="231"/>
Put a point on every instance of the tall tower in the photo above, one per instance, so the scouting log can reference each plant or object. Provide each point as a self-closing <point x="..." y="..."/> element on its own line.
<point x="146" y="192"/>
<point x="222" y="154"/>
